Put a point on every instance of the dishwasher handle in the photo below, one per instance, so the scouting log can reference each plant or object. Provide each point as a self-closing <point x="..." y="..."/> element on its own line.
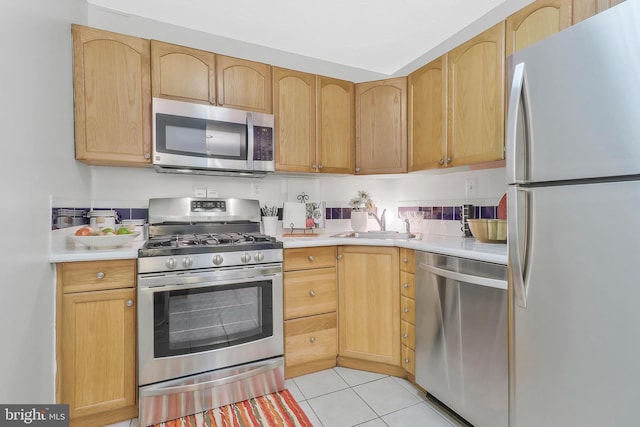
<point x="467" y="278"/>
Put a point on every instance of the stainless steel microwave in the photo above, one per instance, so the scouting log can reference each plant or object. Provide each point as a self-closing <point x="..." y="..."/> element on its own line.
<point x="205" y="139"/>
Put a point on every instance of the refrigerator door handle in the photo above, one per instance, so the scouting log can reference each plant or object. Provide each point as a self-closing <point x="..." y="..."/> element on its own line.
<point x="517" y="229"/>
<point x="518" y="106"/>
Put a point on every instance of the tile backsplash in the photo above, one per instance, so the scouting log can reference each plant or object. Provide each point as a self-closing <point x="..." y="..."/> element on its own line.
<point x="63" y="217"/>
<point x="446" y="213"/>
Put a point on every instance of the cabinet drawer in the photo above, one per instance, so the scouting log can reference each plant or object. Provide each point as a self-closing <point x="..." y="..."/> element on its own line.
<point x="408" y="284"/>
<point x="407" y="260"/>
<point x="408" y="335"/>
<point x="408" y="360"/>
<point x="96" y="275"/>
<point x="310" y="338"/>
<point x="407" y="310"/>
<point x="308" y="258"/>
<point x="309" y="292"/>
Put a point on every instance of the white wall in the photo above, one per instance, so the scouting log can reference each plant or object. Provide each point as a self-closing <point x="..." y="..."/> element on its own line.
<point x="36" y="161"/>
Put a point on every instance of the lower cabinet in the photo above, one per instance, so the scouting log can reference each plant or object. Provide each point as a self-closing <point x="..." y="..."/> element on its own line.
<point x="369" y="309"/>
<point x="310" y="327"/>
<point x="96" y="341"/>
<point x="407" y="310"/>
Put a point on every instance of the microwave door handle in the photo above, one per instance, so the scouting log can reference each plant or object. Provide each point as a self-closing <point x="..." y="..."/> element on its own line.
<point x="250" y="141"/>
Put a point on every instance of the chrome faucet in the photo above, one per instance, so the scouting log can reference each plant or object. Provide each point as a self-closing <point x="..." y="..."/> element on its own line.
<point x="381" y="221"/>
<point x="407" y="225"/>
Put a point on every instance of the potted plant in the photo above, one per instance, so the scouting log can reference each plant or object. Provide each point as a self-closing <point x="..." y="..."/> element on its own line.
<point x="360" y="205"/>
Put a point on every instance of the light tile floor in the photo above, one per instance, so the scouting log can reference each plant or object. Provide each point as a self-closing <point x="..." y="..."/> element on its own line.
<point x="342" y="397"/>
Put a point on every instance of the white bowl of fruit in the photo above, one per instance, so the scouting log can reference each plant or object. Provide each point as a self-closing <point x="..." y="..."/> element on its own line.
<point x="104" y="238"/>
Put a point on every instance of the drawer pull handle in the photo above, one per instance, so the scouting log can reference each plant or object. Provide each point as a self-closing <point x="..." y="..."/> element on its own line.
<point x="312" y="340"/>
<point x="100" y="275"/>
<point x="405" y="335"/>
<point x="312" y="293"/>
<point x="311" y="258"/>
<point x="129" y="303"/>
<point x="405" y="285"/>
<point x="406" y="309"/>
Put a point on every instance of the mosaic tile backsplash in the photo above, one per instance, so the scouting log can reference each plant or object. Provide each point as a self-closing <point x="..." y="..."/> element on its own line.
<point x="70" y="217"/>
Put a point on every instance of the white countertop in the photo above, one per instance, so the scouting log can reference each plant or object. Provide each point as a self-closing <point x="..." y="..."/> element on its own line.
<point x="464" y="247"/>
<point x="63" y="250"/>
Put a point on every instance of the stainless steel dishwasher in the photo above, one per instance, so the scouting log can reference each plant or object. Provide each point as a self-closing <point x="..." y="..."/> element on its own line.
<point x="461" y="336"/>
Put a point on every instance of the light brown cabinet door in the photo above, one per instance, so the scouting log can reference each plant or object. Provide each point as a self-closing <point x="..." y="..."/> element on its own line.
<point x="182" y="73"/>
<point x="369" y="304"/>
<point x="535" y="22"/>
<point x="243" y="84"/>
<point x="381" y="126"/>
<point x="336" y="149"/>
<point x="583" y="9"/>
<point x="476" y="99"/>
<point x="294" y="107"/>
<point x="98" y="369"/>
<point x="112" y="98"/>
<point x="427" y="113"/>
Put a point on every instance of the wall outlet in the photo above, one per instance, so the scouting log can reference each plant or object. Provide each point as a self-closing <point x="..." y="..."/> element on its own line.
<point x="471" y="187"/>
<point x="255" y="189"/>
<point x="211" y="193"/>
<point x="200" y="192"/>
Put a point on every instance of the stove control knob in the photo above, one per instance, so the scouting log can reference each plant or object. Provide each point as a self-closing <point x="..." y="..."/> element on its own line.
<point x="217" y="260"/>
<point x="187" y="262"/>
<point x="171" y="263"/>
<point x="245" y="257"/>
<point x="259" y="257"/>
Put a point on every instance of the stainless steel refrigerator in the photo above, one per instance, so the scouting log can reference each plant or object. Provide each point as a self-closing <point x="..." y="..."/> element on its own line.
<point x="573" y="169"/>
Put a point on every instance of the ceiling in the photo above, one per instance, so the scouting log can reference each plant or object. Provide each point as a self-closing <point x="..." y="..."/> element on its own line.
<point x="380" y="36"/>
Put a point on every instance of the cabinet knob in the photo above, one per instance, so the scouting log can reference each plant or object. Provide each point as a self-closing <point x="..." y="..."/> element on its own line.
<point x="406" y="309"/>
<point x="406" y="360"/>
<point x="147" y="156"/>
<point x="339" y="256"/>
<point x="320" y="166"/>
<point x="312" y="293"/>
<point x="312" y="340"/>
<point x="448" y="160"/>
<point x="357" y="169"/>
<point x="311" y="258"/>
<point x="441" y="161"/>
<point x="100" y="275"/>
<point x="314" y="166"/>
<point x="405" y="285"/>
<point x="405" y="260"/>
<point x="405" y="335"/>
<point x="129" y="303"/>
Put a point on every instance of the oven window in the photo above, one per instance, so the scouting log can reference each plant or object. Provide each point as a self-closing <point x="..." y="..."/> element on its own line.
<point x="200" y="137"/>
<point x="195" y="320"/>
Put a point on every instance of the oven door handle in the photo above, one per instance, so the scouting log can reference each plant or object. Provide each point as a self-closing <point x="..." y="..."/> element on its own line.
<point x="263" y="367"/>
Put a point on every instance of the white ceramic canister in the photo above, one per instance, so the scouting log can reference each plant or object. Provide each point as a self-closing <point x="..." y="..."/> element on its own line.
<point x="102" y="219"/>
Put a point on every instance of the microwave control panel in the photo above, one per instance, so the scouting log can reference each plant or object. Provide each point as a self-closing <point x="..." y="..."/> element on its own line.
<point x="262" y="143"/>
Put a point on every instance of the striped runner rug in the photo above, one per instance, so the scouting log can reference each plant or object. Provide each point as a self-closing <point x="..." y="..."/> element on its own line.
<point x="273" y="410"/>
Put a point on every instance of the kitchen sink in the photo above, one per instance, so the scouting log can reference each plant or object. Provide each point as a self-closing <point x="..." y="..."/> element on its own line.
<point x="390" y="235"/>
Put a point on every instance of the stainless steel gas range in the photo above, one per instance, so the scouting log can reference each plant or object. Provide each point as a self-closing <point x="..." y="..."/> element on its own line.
<point x="210" y="308"/>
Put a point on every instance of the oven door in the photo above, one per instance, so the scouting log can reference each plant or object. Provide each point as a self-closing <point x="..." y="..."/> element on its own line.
<point x="194" y="322"/>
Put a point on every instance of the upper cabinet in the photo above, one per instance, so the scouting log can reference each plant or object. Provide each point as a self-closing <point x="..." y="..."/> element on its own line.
<point x="335" y="125"/>
<point x="194" y="75"/>
<point x="536" y="21"/>
<point x="112" y="98"/>
<point x="583" y="9"/>
<point x="314" y="122"/>
<point x="294" y="108"/>
<point x="381" y="126"/>
<point x="475" y="86"/>
<point x="244" y="84"/>
<point x="182" y="73"/>
<point x="427" y="108"/>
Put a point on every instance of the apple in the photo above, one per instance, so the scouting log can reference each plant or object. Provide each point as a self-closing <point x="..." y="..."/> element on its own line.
<point x="84" y="231"/>
<point x="123" y="230"/>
